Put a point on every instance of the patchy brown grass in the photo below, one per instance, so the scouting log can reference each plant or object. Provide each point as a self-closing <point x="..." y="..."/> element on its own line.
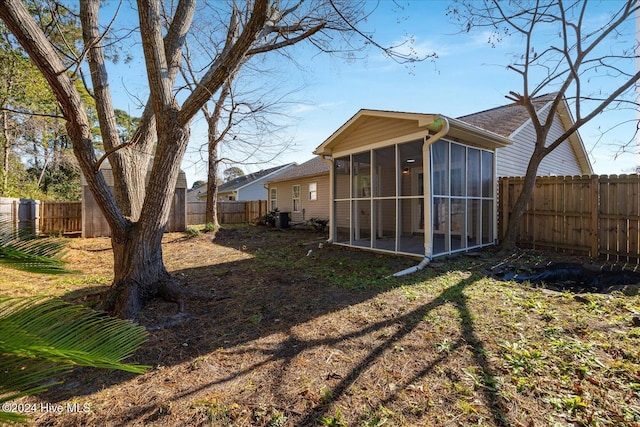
<point x="279" y="336"/>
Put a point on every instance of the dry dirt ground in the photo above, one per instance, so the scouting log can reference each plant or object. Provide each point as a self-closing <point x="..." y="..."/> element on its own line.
<point x="286" y="331"/>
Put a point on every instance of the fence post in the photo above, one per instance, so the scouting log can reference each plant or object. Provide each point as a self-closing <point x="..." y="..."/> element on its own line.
<point x="15" y="215"/>
<point x="595" y="213"/>
<point x="503" y="194"/>
<point x="36" y="216"/>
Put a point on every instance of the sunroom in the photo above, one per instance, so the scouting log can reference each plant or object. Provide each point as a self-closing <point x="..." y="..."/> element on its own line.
<point x="415" y="184"/>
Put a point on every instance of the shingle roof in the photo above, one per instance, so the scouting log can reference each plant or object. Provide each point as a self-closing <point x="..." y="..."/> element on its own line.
<point x="247" y="179"/>
<point x="314" y="166"/>
<point x="506" y="119"/>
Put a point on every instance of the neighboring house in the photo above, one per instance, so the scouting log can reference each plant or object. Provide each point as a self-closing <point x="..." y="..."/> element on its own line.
<point x="196" y="194"/>
<point x="302" y="190"/>
<point x="382" y="162"/>
<point x="248" y="187"/>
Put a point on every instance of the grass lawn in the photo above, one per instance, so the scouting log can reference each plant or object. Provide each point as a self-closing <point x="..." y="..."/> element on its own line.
<point x="285" y="331"/>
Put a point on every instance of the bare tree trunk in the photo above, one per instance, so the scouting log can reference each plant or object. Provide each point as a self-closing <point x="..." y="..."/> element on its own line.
<point x="128" y="166"/>
<point x="139" y="270"/>
<point x="212" y="183"/>
<point x="214" y="137"/>
<point x="510" y="238"/>
<point x="5" y="153"/>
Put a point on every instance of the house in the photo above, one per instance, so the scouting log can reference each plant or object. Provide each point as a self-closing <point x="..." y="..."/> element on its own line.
<point x="248" y="187"/>
<point x="94" y="224"/>
<point x="197" y="194"/>
<point x="302" y="190"/>
<point x="384" y="165"/>
<point x="512" y="121"/>
<point x="410" y="183"/>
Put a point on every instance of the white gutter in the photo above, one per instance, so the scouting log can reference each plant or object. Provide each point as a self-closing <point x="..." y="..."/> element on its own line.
<point x="329" y="160"/>
<point x="426" y="160"/>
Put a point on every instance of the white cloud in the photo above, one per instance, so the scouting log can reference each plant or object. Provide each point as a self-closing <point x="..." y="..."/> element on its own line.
<point x="308" y="108"/>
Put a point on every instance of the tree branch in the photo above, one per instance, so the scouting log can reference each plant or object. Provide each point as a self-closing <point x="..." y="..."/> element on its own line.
<point x="580" y="122"/>
<point x="226" y="63"/>
<point x="288" y="42"/>
<point x="96" y="167"/>
<point x="28" y="113"/>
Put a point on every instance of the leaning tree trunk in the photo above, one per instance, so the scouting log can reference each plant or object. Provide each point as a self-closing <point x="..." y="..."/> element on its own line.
<point x="510" y="238"/>
<point x="211" y="216"/>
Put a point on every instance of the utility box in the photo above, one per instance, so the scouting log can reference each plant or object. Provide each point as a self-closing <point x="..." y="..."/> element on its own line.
<point x="282" y="219"/>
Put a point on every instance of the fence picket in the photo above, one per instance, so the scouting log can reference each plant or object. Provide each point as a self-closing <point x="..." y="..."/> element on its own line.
<point x="594" y="215"/>
<point x="229" y="212"/>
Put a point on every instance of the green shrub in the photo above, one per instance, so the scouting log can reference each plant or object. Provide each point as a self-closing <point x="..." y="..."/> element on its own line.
<point x="210" y="228"/>
<point x="269" y="219"/>
<point x="192" y="232"/>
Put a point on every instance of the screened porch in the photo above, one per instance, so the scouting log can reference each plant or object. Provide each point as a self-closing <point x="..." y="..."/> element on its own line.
<point x="379" y="198"/>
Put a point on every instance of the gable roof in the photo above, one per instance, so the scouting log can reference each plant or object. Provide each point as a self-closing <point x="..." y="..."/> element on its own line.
<point x="243" y="181"/>
<point x="493" y="127"/>
<point x="312" y="167"/>
<point x="508" y="119"/>
<point x="412" y="123"/>
<point x="200" y="189"/>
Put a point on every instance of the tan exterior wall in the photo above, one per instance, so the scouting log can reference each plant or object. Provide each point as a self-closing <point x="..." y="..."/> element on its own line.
<point x="377" y="129"/>
<point x="318" y="208"/>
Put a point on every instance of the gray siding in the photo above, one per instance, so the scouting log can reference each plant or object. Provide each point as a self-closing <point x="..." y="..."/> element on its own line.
<point x="253" y="191"/>
<point x="513" y="160"/>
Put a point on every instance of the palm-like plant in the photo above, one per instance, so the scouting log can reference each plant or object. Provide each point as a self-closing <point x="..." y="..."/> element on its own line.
<point x="41" y="338"/>
<point x="22" y="250"/>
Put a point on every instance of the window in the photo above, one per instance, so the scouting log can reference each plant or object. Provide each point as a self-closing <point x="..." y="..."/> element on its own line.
<point x="313" y="191"/>
<point x="273" y="198"/>
<point x="296" y="198"/>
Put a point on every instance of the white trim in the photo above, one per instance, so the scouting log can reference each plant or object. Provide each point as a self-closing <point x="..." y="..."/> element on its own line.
<point x="313" y="194"/>
<point x="271" y="199"/>
<point x="293" y="198"/>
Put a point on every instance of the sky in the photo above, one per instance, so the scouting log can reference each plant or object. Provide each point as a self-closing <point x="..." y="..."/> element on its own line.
<point x="468" y="75"/>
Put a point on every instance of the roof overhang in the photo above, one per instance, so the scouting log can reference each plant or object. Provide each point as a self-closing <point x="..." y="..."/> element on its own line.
<point x="574" y="139"/>
<point x="427" y="123"/>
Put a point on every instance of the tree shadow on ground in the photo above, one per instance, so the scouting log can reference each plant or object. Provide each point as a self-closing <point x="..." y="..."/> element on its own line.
<point x="270" y="312"/>
<point x="452" y="295"/>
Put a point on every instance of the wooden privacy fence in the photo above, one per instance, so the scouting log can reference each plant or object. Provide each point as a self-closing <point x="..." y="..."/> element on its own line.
<point x="66" y="217"/>
<point x="60" y="217"/>
<point x="196" y="212"/>
<point x="594" y="215"/>
<point x="229" y="212"/>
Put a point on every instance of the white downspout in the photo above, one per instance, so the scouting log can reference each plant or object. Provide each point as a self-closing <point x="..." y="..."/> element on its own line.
<point x="426" y="160"/>
<point x="329" y="160"/>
